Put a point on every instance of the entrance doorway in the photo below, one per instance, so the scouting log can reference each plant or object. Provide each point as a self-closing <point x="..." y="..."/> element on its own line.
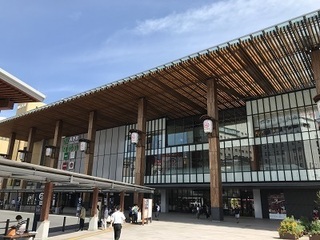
<point x="243" y="198"/>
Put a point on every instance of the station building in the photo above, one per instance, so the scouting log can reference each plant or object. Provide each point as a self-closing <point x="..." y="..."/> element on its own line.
<point x="260" y="94"/>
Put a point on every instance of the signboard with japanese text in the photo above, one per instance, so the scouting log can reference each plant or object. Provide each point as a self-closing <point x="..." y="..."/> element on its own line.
<point x="70" y="146"/>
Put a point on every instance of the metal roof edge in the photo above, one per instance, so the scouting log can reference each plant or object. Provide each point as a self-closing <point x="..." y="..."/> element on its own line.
<point x="43" y="170"/>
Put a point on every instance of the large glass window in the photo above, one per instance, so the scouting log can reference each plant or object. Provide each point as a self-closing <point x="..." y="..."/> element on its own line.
<point x="287" y="135"/>
<point x="185" y="131"/>
<point x="271" y="139"/>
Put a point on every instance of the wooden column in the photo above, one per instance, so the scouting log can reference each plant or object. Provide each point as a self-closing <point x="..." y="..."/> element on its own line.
<point x="315" y="62"/>
<point x="255" y="165"/>
<point x="53" y="161"/>
<point x="47" y="197"/>
<point x="122" y="201"/>
<point x="140" y="151"/>
<point x="94" y="203"/>
<point x="214" y="153"/>
<point x="91" y="137"/>
<point x="11" y="145"/>
<point x="9" y="156"/>
<point x="32" y="133"/>
<point x="88" y="159"/>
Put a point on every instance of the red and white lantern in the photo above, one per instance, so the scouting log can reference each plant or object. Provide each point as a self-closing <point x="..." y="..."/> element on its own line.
<point x="208" y="126"/>
<point x="134" y="137"/>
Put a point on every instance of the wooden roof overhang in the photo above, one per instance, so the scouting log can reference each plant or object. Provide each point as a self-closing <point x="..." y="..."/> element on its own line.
<point x="272" y="61"/>
<point x="13" y="90"/>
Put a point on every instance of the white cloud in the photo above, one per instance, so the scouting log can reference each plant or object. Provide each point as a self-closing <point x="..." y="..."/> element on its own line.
<point x="220" y="14"/>
<point x="179" y="34"/>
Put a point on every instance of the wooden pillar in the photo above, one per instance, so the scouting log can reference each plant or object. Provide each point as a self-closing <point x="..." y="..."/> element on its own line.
<point x="315" y="62"/>
<point x="53" y="160"/>
<point x="214" y="153"/>
<point x="32" y="132"/>
<point x="9" y="156"/>
<point x="91" y="137"/>
<point x="140" y="151"/>
<point x="94" y="203"/>
<point x="3" y="186"/>
<point x="255" y="165"/>
<point x="107" y="196"/>
<point x="47" y="196"/>
<point x="122" y="201"/>
<point x="11" y="145"/>
<point x="29" y="149"/>
<point x="88" y="160"/>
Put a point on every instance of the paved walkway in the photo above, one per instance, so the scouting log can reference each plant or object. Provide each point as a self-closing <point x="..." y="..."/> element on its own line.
<point x="171" y="226"/>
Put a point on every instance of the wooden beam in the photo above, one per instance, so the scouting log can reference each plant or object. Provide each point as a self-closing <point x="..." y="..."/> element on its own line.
<point x="31" y="137"/>
<point x="140" y="153"/>
<point x="47" y="196"/>
<point x="214" y="153"/>
<point x="91" y="137"/>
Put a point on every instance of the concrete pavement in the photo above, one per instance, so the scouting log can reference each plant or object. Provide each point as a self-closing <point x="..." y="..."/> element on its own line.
<point x="175" y="226"/>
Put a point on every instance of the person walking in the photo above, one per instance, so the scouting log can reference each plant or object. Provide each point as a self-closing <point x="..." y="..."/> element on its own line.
<point x="237" y="213"/>
<point x="135" y="211"/>
<point x="13" y="203"/>
<point x="198" y="211"/>
<point x="99" y="223"/>
<point x="106" y="217"/>
<point x="156" y="215"/>
<point x="117" y="219"/>
<point x="82" y="217"/>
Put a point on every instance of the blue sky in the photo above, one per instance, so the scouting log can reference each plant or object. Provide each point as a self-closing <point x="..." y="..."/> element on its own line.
<point x="64" y="47"/>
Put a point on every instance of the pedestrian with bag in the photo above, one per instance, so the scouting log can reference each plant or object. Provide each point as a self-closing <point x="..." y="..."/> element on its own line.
<point x="117" y="219"/>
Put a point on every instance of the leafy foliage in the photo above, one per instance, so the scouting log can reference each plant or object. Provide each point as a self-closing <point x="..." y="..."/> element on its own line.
<point x="317" y="201"/>
<point x="304" y="221"/>
<point x="315" y="227"/>
<point x="291" y="226"/>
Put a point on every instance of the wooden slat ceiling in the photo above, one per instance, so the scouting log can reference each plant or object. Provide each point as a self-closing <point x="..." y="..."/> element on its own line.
<point x="13" y="90"/>
<point x="7" y="91"/>
<point x="275" y="60"/>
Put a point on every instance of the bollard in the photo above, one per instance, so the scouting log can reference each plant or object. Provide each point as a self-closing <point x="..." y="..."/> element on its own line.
<point x="7" y="226"/>
<point x="64" y="224"/>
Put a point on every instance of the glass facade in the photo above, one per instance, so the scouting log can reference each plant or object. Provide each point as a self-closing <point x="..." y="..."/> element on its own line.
<point x="286" y="135"/>
<point x="271" y="139"/>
